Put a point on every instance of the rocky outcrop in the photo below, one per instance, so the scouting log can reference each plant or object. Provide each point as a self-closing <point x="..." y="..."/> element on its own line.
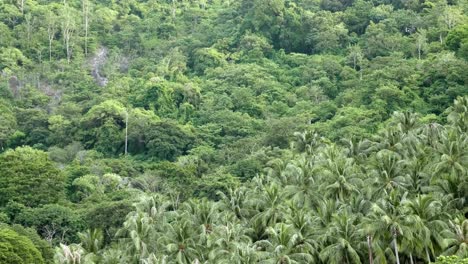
<point x="97" y="63"/>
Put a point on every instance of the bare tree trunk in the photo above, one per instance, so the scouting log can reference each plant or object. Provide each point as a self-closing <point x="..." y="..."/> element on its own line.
<point x="428" y="256"/>
<point x="51" y="29"/>
<point x="50" y="49"/>
<point x="29" y="22"/>
<point x="369" y="246"/>
<point x="68" y="28"/>
<point x="38" y="84"/>
<point x="411" y="258"/>
<point x="126" y="132"/>
<point x="173" y="11"/>
<point x="419" y="51"/>
<point x="49" y="233"/>
<point x="395" y="244"/>
<point x="67" y="35"/>
<point x="67" y="44"/>
<point x="86" y="23"/>
<point x="22" y="7"/>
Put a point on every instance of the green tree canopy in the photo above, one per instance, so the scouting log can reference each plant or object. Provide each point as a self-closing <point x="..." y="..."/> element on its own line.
<point x="17" y="249"/>
<point x="29" y="177"/>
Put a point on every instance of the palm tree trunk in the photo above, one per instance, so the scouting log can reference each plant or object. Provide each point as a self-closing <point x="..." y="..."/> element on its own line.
<point x="369" y="246"/>
<point x="50" y="49"/>
<point x="427" y="255"/>
<point x="126" y="132"/>
<point x="395" y="244"/>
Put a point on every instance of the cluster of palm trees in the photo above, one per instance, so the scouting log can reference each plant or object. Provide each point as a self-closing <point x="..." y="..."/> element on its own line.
<point x="399" y="197"/>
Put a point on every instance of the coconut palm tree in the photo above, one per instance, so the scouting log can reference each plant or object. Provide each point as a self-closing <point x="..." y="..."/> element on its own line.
<point x="388" y="174"/>
<point x="275" y="170"/>
<point x="91" y="240"/>
<point x="405" y="121"/>
<point x="453" y="150"/>
<point x="458" y="114"/>
<point x="389" y="139"/>
<point x="241" y="254"/>
<point x="226" y="241"/>
<point x="235" y="201"/>
<point x="137" y="236"/>
<point x="154" y="206"/>
<point x="269" y="204"/>
<point x="457" y="238"/>
<point x="303" y="182"/>
<point x="454" y="194"/>
<point x="428" y="222"/>
<point x="204" y="214"/>
<point x="114" y="255"/>
<point x="284" y="246"/>
<point x="358" y="205"/>
<point x="323" y="214"/>
<point x="305" y="226"/>
<point x="256" y="229"/>
<point x="417" y="172"/>
<point x="299" y="219"/>
<point x="307" y="141"/>
<point x="367" y="230"/>
<point x="358" y="149"/>
<point x="341" y="176"/>
<point x="432" y="133"/>
<point x="71" y="254"/>
<point x="153" y="259"/>
<point x="181" y="241"/>
<point x="390" y="221"/>
<point x="341" y="241"/>
<point x="450" y="173"/>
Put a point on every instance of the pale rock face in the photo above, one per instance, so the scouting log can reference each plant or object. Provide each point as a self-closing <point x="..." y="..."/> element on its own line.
<point x="14" y="85"/>
<point x="97" y="63"/>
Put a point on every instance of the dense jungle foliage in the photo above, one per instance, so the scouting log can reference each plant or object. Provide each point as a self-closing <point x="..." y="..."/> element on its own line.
<point x="223" y="131"/>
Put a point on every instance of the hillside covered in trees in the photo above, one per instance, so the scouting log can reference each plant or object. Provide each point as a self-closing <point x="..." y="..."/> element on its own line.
<point x="224" y="131"/>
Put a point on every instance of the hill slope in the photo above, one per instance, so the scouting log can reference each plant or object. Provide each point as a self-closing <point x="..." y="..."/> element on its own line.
<point x="235" y="131"/>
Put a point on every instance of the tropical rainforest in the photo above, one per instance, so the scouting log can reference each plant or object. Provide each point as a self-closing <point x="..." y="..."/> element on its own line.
<point x="233" y="131"/>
